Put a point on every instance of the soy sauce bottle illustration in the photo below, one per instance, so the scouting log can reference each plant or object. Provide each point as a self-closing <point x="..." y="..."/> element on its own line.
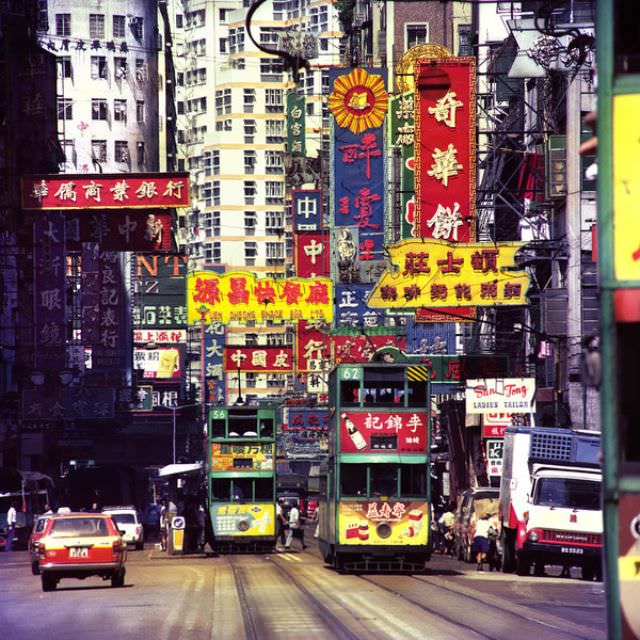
<point x="355" y="435"/>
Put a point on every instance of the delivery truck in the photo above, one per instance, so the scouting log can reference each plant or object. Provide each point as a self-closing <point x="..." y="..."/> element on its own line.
<point x="550" y="500"/>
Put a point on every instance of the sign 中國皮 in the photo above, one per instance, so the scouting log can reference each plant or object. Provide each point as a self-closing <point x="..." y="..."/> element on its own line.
<point x="258" y="359"/>
<point x="500" y="395"/>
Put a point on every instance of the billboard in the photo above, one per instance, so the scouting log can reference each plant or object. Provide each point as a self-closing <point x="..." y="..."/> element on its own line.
<point x="304" y="419"/>
<point x="163" y="363"/>
<point x="242" y="519"/>
<point x="500" y="395"/>
<point x="258" y="359"/>
<point x="313" y="347"/>
<point x="248" y="456"/>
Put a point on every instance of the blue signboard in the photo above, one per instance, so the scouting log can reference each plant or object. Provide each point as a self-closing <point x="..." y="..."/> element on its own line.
<point x="214" y="339"/>
<point x="351" y="307"/>
<point x="431" y="338"/>
<point x="307" y="210"/>
<point x="304" y="418"/>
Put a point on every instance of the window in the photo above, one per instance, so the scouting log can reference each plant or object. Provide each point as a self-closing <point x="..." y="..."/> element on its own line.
<point x="309" y="84"/>
<point x="271" y="70"/>
<point x="98" y="109"/>
<point x="120" y="111"/>
<point x="250" y="222"/>
<point x="141" y="72"/>
<point x="212" y="163"/>
<point x="222" y="15"/>
<point x="99" y="150"/>
<point x="273" y="161"/>
<point x="279" y="8"/>
<point x="324" y="81"/>
<point x="249" y="130"/>
<point x="383" y="480"/>
<point x="179" y="20"/>
<point x="274" y="222"/>
<point x="237" y="63"/>
<point x="119" y="27"/>
<point x="274" y="131"/>
<point x="250" y="191"/>
<point x="215" y="218"/>
<point x="310" y="108"/>
<point x="139" y="111"/>
<point x="120" y="68"/>
<point x="250" y="253"/>
<point x="63" y="24"/>
<point x="66" y="69"/>
<point x="223" y="101"/>
<point x="249" y="99"/>
<point x="274" y="192"/>
<point x="275" y="251"/>
<point x="136" y="27"/>
<point x="415" y="34"/>
<point x="98" y="67"/>
<point x="274" y="100"/>
<point x="250" y="159"/>
<point x="69" y="150"/>
<point x="413" y="480"/>
<point x="121" y="148"/>
<point x="223" y="45"/>
<point x="215" y="192"/>
<point x="96" y="26"/>
<point x="465" y="44"/>
<point x="224" y="125"/>
<point x="213" y="252"/>
<point x="568" y="493"/>
<point x="324" y="44"/>
<point x="353" y="480"/>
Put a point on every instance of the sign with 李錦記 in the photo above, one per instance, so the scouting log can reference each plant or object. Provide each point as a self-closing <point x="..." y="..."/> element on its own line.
<point x="500" y="395"/>
<point x="241" y="297"/>
<point x="434" y="273"/>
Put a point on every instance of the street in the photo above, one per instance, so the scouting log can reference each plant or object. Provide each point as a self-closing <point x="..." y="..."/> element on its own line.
<point x="294" y="595"/>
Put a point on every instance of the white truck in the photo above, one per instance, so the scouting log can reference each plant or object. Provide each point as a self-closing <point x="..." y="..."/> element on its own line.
<point x="550" y="500"/>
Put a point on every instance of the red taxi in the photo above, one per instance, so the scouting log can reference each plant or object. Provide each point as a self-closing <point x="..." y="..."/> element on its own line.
<point x="79" y="545"/>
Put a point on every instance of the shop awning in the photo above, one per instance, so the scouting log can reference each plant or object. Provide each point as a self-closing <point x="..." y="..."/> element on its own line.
<point x="180" y="469"/>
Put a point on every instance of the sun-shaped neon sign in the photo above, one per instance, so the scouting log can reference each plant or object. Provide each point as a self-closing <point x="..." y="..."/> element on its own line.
<point x="359" y="101"/>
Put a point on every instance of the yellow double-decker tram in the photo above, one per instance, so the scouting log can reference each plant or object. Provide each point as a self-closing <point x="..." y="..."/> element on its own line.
<point x="242" y="478"/>
<point x="375" y="489"/>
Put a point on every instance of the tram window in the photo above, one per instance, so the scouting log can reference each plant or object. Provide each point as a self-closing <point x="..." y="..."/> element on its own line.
<point x="413" y="480"/>
<point x="383" y="385"/>
<point x="417" y="393"/>
<point x="384" y="480"/>
<point x="221" y="488"/>
<point x="217" y="428"/>
<point x="353" y="480"/>
<point x="266" y="428"/>
<point x="263" y="488"/>
<point x="242" y="490"/>
<point x="349" y="392"/>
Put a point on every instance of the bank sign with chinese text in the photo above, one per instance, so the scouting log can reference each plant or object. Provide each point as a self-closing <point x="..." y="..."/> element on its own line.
<point x="435" y="273"/>
<point x="105" y="191"/>
<point x="241" y="297"/>
<point x="383" y="432"/>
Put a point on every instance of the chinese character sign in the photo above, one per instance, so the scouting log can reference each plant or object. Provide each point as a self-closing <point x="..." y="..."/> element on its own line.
<point x="214" y="340"/>
<point x="313" y="347"/>
<point x="296" y="122"/>
<point x="259" y="359"/>
<point x="106" y="191"/>
<point x="239" y="296"/>
<point x="255" y="456"/>
<point x="49" y="291"/>
<point x="162" y="363"/>
<point x="383" y="431"/>
<point x="313" y="254"/>
<point x="303" y="419"/>
<point x="307" y="209"/>
<point x="362" y="348"/>
<point x="435" y="273"/>
<point x="445" y="149"/>
<point x="351" y="309"/>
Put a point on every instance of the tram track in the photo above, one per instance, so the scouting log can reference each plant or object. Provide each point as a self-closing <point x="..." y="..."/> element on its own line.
<point x="250" y="626"/>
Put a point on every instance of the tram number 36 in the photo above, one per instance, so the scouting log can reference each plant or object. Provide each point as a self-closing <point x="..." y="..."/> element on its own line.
<point x="351" y="373"/>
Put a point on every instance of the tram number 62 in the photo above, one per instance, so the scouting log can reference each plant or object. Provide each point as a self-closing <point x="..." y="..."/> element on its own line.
<point x="351" y="373"/>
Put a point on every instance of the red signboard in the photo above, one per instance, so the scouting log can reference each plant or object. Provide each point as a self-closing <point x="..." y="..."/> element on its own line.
<point x="495" y="424"/>
<point x="313" y="347"/>
<point x="106" y="191"/>
<point x="383" y="432"/>
<point x="361" y="348"/>
<point x="445" y="149"/>
<point x="313" y="255"/>
<point x="446" y="314"/>
<point x="260" y="359"/>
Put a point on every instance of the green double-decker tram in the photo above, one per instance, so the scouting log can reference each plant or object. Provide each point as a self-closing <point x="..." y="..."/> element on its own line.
<point x="242" y="478"/>
<point x="375" y="489"/>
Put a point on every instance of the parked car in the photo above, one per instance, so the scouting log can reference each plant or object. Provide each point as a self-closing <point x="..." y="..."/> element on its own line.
<point x="36" y="534"/>
<point x="79" y="545"/>
<point x="128" y="521"/>
<point x="478" y="502"/>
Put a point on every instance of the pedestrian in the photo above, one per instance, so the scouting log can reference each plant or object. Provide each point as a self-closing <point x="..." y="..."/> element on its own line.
<point x="282" y="524"/>
<point x="480" y="546"/>
<point x="163" y="524"/>
<point x="12" y="517"/>
<point x="295" y="528"/>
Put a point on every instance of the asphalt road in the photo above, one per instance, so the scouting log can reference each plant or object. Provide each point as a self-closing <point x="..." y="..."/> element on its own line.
<point x="293" y="595"/>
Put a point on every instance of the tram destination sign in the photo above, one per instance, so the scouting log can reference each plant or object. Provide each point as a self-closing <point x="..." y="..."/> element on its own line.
<point x="383" y="432"/>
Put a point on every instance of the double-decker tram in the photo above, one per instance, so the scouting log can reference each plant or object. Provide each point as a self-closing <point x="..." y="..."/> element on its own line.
<point x="375" y="492"/>
<point x="242" y="478"/>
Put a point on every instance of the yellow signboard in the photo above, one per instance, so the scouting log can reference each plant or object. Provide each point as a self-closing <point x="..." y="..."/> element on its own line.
<point x="242" y="519"/>
<point x="626" y="186"/>
<point x="242" y="457"/>
<point x="435" y="273"/>
<point x="241" y="297"/>
<point x="376" y="522"/>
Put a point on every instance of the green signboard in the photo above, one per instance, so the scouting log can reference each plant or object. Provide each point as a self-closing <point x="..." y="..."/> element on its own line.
<point x="296" y="123"/>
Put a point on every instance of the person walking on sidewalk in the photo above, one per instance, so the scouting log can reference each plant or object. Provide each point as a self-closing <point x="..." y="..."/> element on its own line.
<point x="295" y="528"/>
<point x="12" y="517"/>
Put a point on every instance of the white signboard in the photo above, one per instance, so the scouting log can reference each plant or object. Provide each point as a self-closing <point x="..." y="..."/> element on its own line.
<point x="163" y="362"/>
<point x="500" y="395"/>
<point x="494" y="456"/>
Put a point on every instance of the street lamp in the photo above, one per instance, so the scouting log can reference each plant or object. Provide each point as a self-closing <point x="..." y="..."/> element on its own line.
<point x="173" y="411"/>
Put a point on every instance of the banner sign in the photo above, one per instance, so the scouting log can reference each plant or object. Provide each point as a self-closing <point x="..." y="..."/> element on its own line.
<point x="254" y="456"/>
<point x="125" y="230"/>
<point x="163" y="363"/>
<point x="157" y="397"/>
<point x="69" y="403"/>
<point x="241" y="297"/>
<point x="313" y="254"/>
<point x="445" y="314"/>
<point x="495" y="424"/>
<point x="259" y="359"/>
<point x="160" y="336"/>
<point x="313" y="347"/>
<point x="494" y="450"/>
<point x="352" y="310"/>
<point x="296" y="124"/>
<point x="445" y="149"/>
<point x="304" y="419"/>
<point x="351" y="267"/>
<point x="106" y="191"/>
<point x="307" y="210"/>
<point x="383" y="523"/>
<point x="242" y="520"/>
<point x="383" y="432"/>
<point x="362" y="348"/>
<point x="49" y="296"/>
<point x="501" y="395"/>
<point x="436" y="273"/>
<point x="214" y="340"/>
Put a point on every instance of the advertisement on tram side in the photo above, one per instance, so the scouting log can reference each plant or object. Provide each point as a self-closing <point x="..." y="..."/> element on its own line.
<point x="242" y="519"/>
<point x="256" y="456"/>
<point x="383" y="432"/>
<point x="383" y="523"/>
